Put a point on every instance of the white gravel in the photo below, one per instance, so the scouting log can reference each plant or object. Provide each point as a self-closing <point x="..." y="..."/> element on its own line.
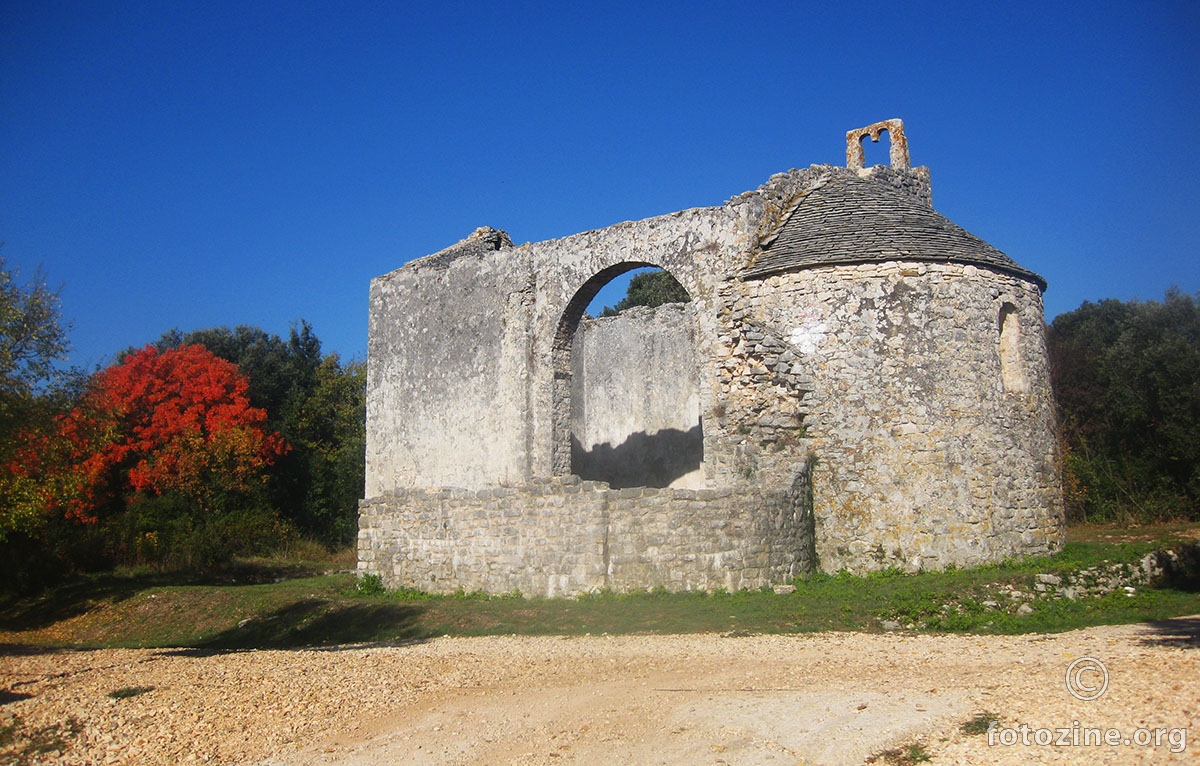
<point x="824" y="698"/>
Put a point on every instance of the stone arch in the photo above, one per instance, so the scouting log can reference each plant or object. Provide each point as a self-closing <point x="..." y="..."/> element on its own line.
<point x="639" y="459"/>
<point x="569" y="272"/>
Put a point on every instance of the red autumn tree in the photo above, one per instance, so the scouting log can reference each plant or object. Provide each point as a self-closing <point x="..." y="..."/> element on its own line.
<point x="176" y="421"/>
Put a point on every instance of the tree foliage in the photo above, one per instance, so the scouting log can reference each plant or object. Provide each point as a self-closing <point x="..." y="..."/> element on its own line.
<point x="277" y="370"/>
<point x="177" y="421"/>
<point x="162" y="460"/>
<point x="205" y="445"/>
<point x="31" y="336"/>
<point x="1126" y="378"/>
<point x="318" y="405"/>
<point x="652" y="289"/>
<point x="329" y="431"/>
<point x="32" y="392"/>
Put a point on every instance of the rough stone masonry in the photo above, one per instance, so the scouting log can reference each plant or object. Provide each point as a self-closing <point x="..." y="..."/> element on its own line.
<point x="856" y="383"/>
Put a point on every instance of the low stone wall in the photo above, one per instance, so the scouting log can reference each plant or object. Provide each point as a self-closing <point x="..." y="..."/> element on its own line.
<point x="563" y="537"/>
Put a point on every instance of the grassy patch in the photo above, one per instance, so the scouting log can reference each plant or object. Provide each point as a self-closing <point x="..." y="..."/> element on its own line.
<point x="914" y="752"/>
<point x="979" y="724"/>
<point x="281" y="604"/>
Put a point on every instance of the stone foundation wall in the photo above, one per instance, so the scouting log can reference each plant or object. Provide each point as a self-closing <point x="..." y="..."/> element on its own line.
<point x="564" y="537"/>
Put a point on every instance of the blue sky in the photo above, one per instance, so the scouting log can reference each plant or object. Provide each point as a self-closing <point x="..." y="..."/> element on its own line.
<point x="190" y="165"/>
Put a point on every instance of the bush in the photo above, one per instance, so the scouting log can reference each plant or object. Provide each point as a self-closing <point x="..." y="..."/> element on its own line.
<point x="1125" y="378"/>
<point x="369" y="584"/>
<point x="169" y="532"/>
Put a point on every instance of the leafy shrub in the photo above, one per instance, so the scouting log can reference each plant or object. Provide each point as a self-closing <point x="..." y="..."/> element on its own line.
<point x="171" y="533"/>
<point x="1124" y="374"/>
<point x="369" y="584"/>
<point x="979" y="724"/>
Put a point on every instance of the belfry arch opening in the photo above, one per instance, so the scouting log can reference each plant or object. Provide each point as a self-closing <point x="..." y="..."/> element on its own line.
<point x="627" y="392"/>
<point x="876" y="152"/>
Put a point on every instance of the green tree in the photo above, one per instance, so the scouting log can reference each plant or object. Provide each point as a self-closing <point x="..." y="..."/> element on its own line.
<point x="330" y="435"/>
<point x="1125" y="376"/>
<point x="652" y="289"/>
<point x="33" y="390"/>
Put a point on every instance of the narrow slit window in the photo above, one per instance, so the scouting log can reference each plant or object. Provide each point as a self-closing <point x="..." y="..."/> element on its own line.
<point x="1012" y="368"/>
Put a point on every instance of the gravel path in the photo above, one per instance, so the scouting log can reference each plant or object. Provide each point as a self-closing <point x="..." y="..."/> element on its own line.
<point x="826" y="698"/>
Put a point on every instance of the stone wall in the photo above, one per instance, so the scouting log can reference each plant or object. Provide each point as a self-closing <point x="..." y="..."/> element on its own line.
<point x="564" y="537"/>
<point x="893" y="376"/>
<point x="902" y="389"/>
<point x="635" y="419"/>
<point x="447" y="398"/>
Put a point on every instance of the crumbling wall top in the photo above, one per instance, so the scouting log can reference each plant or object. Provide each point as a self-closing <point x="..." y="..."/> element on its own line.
<point x="483" y="240"/>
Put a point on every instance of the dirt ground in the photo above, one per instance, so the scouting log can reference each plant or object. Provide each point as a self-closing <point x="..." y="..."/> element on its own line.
<point x="705" y="699"/>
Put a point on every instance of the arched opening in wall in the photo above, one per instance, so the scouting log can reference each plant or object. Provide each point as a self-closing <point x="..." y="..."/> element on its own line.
<point x="1012" y="369"/>
<point x="627" y="385"/>
<point x="877" y="152"/>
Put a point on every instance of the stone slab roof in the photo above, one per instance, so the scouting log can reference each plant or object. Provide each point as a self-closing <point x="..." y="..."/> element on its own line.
<point x="845" y="219"/>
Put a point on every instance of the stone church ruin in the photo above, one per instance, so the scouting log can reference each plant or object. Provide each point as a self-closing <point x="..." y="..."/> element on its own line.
<point x="856" y="383"/>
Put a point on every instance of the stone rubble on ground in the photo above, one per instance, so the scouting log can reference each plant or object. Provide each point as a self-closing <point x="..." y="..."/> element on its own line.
<point x="830" y="697"/>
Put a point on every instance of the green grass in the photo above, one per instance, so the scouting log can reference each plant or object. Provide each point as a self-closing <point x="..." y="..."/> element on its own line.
<point x="271" y="604"/>
<point x="979" y="724"/>
<point x="905" y="755"/>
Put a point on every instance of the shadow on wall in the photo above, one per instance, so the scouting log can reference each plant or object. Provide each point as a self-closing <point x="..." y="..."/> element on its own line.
<point x="642" y="460"/>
